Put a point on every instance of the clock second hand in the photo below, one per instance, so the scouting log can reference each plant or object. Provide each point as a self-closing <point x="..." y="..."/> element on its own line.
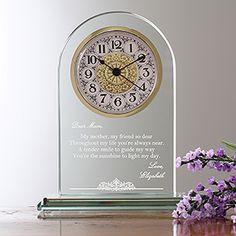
<point x="103" y="63"/>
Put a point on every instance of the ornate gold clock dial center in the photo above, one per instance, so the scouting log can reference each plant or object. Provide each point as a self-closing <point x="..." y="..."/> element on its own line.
<point x="114" y="81"/>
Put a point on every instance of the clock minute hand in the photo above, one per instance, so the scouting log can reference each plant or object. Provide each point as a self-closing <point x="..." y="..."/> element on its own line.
<point x="131" y="82"/>
<point x="138" y="59"/>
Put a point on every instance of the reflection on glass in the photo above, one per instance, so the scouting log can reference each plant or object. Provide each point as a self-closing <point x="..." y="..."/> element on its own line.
<point x="145" y="224"/>
<point x="209" y="227"/>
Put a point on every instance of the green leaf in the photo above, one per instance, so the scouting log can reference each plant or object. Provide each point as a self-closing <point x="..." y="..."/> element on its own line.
<point x="229" y="145"/>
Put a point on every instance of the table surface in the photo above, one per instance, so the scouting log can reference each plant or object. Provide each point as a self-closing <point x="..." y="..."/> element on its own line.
<point x="24" y="222"/>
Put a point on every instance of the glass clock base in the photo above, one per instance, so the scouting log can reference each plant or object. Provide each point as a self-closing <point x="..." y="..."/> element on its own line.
<point x="76" y="207"/>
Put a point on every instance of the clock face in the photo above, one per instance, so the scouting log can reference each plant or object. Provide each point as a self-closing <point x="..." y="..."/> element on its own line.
<point x="116" y="71"/>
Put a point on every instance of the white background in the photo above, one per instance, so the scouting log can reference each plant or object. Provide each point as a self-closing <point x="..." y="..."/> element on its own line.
<point x="32" y="34"/>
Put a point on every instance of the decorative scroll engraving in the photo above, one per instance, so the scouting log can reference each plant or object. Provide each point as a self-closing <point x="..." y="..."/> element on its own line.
<point x="116" y="185"/>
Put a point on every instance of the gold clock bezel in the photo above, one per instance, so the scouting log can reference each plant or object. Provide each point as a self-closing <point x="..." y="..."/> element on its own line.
<point x="158" y="74"/>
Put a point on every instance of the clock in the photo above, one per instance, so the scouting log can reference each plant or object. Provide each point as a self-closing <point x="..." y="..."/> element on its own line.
<point x="116" y="71"/>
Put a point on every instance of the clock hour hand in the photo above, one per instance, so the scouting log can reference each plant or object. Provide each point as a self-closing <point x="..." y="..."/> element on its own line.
<point x="103" y="63"/>
<point x="142" y="57"/>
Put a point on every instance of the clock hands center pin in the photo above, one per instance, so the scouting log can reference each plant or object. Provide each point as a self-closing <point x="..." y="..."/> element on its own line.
<point x="117" y="71"/>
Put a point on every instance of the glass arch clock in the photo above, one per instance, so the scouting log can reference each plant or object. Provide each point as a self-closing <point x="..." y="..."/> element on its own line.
<point x="116" y="117"/>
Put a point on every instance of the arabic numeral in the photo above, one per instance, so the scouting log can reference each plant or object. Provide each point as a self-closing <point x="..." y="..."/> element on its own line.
<point x="116" y="44"/>
<point x="92" y="88"/>
<point x="131" y="48"/>
<point x="103" y="96"/>
<point x="88" y="73"/>
<point x="132" y="97"/>
<point x="103" y="99"/>
<point x="101" y="48"/>
<point x="118" y="102"/>
<point x="143" y="86"/>
<point x="91" y="59"/>
<point x="146" y="72"/>
<point x="141" y="55"/>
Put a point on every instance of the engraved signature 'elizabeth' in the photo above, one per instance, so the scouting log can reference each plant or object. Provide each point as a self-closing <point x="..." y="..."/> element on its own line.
<point x="147" y="175"/>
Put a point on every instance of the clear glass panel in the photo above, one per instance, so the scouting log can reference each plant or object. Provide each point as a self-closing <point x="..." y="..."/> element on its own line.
<point x="117" y="125"/>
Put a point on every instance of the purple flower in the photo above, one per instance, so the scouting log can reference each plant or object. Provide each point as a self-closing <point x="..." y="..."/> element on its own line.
<point x="232" y="197"/>
<point x="220" y="152"/>
<point x="196" y="214"/>
<point x="221" y="185"/>
<point x="211" y="180"/>
<point x="186" y="203"/>
<point x="208" y="207"/>
<point x="227" y="167"/>
<point x="210" y="153"/>
<point x="194" y="166"/>
<point x="198" y="198"/>
<point x="226" y="197"/>
<point x="175" y="214"/>
<point x="217" y="200"/>
<point x="208" y="204"/>
<point x="199" y="187"/>
<point x="220" y="210"/>
<point x="185" y="215"/>
<point x="178" y="162"/>
<point x="211" y="165"/>
<point x="232" y="179"/>
<point x="218" y="166"/>
<point x="233" y="218"/>
<point x="190" y="156"/>
<point x="190" y="194"/>
<point x="180" y="206"/>
<point x="198" y="159"/>
<point x="209" y="192"/>
<point x="197" y="152"/>
<point x="181" y="211"/>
